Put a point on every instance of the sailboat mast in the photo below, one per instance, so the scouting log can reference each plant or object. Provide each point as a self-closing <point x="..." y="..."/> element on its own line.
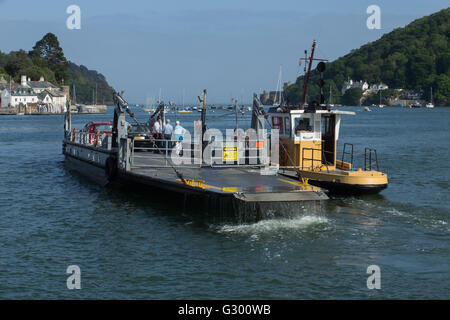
<point x="183" y="99"/>
<point x="277" y="99"/>
<point x="74" y="95"/>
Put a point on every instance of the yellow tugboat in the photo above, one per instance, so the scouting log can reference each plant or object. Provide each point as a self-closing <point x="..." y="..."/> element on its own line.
<point x="308" y="146"/>
<point x="308" y="150"/>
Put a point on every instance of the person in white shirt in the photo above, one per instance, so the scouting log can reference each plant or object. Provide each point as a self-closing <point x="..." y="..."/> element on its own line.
<point x="168" y="130"/>
<point x="156" y="131"/>
<point x="178" y="137"/>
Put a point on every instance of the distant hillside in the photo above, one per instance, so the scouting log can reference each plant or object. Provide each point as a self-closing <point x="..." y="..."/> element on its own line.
<point x="85" y="83"/>
<point x="47" y="59"/>
<point x="414" y="57"/>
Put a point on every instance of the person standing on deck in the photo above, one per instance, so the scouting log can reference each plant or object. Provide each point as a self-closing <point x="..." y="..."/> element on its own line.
<point x="168" y="130"/>
<point x="127" y="126"/>
<point x="178" y="137"/>
<point x="156" y="131"/>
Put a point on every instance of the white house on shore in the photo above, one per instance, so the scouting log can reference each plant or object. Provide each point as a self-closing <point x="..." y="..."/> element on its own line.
<point x="354" y="84"/>
<point x="37" y="86"/>
<point x="377" y="87"/>
<point x="18" y="96"/>
<point x="366" y="89"/>
<point x="47" y="97"/>
<point x="52" y="101"/>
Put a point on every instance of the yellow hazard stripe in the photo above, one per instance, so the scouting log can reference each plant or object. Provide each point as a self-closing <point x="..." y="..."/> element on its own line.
<point x="194" y="183"/>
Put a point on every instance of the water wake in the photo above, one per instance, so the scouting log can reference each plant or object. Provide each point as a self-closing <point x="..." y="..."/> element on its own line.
<point x="273" y="225"/>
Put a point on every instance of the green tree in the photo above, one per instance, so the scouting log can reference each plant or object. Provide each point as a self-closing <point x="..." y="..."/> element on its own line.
<point x="35" y="72"/>
<point x="442" y="91"/>
<point x="47" y="52"/>
<point x="18" y="60"/>
<point x="413" y="57"/>
<point x="352" y="97"/>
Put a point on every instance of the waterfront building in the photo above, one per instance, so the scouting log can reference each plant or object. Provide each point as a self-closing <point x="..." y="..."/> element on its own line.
<point x="365" y="87"/>
<point x="378" y="87"/>
<point x="42" y="95"/>
<point x="37" y="86"/>
<point x="354" y="84"/>
<point x="18" y="96"/>
<point x="53" y="101"/>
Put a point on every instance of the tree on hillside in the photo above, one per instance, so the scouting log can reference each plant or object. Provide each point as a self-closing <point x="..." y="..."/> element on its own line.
<point x="415" y="57"/>
<point x="18" y="60"/>
<point x="442" y="93"/>
<point x="48" y="53"/>
<point x="47" y="59"/>
<point x="35" y="72"/>
<point x="386" y="95"/>
<point x="352" y="97"/>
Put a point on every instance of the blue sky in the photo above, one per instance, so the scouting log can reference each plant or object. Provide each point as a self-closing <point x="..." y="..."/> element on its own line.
<point x="229" y="47"/>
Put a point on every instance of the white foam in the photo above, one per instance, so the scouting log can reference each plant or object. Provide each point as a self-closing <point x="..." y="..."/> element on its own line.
<point x="396" y="212"/>
<point x="271" y="225"/>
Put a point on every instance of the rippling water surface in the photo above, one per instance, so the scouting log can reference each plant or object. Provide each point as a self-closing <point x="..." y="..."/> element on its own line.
<point x="135" y="245"/>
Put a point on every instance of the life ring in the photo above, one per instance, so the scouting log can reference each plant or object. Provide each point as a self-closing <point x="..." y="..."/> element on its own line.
<point x="111" y="168"/>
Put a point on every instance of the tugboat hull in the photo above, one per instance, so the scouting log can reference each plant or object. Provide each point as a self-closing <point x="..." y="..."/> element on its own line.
<point x="348" y="189"/>
<point x="344" y="182"/>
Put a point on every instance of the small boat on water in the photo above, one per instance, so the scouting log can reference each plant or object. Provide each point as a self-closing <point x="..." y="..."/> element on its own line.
<point x="308" y="146"/>
<point x="430" y="104"/>
<point x="184" y="111"/>
<point x="380" y="105"/>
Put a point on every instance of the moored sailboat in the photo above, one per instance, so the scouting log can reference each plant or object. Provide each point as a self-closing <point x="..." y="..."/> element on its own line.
<point x="430" y="104"/>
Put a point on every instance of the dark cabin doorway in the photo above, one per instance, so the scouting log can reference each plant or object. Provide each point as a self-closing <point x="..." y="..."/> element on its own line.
<point x="328" y="138"/>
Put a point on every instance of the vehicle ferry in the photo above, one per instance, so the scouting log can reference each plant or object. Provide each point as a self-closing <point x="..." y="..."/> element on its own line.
<point x="228" y="184"/>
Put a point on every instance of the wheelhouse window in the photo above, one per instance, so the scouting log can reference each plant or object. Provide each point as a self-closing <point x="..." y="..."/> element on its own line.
<point x="287" y="126"/>
<point x="277" y="123"/>
<point x="303" y="125"/>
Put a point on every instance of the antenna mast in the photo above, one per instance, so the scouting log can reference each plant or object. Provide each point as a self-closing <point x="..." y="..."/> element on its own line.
<point x="309" y="61"/>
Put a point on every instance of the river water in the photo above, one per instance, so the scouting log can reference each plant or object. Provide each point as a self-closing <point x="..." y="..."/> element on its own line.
<point x="131" y="245"/>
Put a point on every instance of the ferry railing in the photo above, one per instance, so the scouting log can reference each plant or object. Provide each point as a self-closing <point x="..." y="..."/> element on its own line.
<point x="322" y="160"/>
<point x="248" y="154"/>
<point x="344" y="153"/>
<point x="158" y="153"/>
<point x="369" y="160"/>
<point x="99" y="140"/>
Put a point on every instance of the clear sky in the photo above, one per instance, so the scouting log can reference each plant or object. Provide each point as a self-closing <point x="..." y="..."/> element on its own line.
<point x="229" y="46"/>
